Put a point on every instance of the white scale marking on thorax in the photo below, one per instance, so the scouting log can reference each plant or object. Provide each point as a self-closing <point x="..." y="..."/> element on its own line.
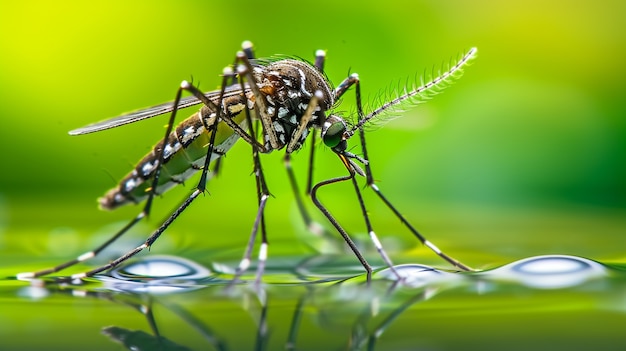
<point x="282" y="112"/>
<point x="302" y="83"/>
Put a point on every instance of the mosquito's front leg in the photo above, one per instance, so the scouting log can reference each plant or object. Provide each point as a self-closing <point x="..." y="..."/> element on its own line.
<point x="334" y="222"/>
<point x="371" y="233"/>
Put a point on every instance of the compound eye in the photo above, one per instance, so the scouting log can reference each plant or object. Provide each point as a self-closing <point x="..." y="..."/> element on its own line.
<point x="332" y="132"/>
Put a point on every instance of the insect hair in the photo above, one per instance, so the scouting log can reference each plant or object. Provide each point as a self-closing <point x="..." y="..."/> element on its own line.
<point x="396" y="99"/>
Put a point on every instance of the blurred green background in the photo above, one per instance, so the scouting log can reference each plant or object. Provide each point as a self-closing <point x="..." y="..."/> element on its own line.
<point x="524" y="155"/>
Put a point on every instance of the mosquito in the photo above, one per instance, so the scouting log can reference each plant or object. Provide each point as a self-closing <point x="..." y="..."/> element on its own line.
<point x="272" y="104"/>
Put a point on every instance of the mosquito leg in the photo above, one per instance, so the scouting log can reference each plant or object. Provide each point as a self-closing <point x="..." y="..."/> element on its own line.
<point x="232" y="124"/>
<point x="346" y="84"/>
<point x="308" y="221"/>
<point x="245" y="262"/>
<point x="259" y="100"/>
<point x="85" y="256"/>
<point x="200" y="188"/>
<point x="320" y="59"/>
<point x="259" y="221"/>
<point x="370" y="183"/>
<point x="293" y="143"/>
<point x="248" y="49"/>
<point x="311" y="225"/>
<point x="212" y="127"/>
<point x="144" y="213"/>
<point x="372" y="234"/>
<point x="262" y="195"/>
<point x="336" y="224"/>
<point x="417" y="234"/>
<point x="151" y="239"/>
<point x="309" y="176"/>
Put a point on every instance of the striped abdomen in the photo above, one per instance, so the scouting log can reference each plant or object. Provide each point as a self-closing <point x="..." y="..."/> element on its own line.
<point x="286" y="86"/>
<point x="185" y="153"/>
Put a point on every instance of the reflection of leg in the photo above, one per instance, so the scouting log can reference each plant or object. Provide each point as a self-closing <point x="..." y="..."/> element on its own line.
<point x="386" y="323"/>
<point x="295" y="323"/>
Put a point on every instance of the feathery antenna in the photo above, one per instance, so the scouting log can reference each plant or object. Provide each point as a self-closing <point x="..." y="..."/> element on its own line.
<point x="424" y="92"/>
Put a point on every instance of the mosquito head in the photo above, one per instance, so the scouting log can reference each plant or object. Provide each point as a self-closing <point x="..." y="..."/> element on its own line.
<point x="334" y="133"/>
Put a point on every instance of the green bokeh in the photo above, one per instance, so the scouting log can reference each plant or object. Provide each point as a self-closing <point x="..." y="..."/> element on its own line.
<point x="536" y="123"/>
<point x="524" y="156"/>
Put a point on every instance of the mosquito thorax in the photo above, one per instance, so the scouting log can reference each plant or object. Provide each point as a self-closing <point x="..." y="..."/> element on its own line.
<point x="288" y="86"/>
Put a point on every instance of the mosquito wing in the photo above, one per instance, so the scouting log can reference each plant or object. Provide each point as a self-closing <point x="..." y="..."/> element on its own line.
<point x="150" y="112"/>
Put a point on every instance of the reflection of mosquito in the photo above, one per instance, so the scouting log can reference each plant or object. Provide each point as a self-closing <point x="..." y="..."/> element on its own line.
<point x="289" y="97"/>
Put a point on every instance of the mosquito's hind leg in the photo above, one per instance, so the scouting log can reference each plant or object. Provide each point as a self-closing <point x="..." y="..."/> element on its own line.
<point x="152" y="190"/>
<point x="199" y="189"/>
<point x="333" y="221"/>
<point x="144" y="212"/>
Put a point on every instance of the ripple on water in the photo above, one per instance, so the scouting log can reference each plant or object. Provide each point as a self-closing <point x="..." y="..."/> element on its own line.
<point x="157" y="274"/>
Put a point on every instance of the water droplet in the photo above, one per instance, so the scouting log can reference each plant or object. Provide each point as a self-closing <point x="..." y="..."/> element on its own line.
<point x="550" y="271"/>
